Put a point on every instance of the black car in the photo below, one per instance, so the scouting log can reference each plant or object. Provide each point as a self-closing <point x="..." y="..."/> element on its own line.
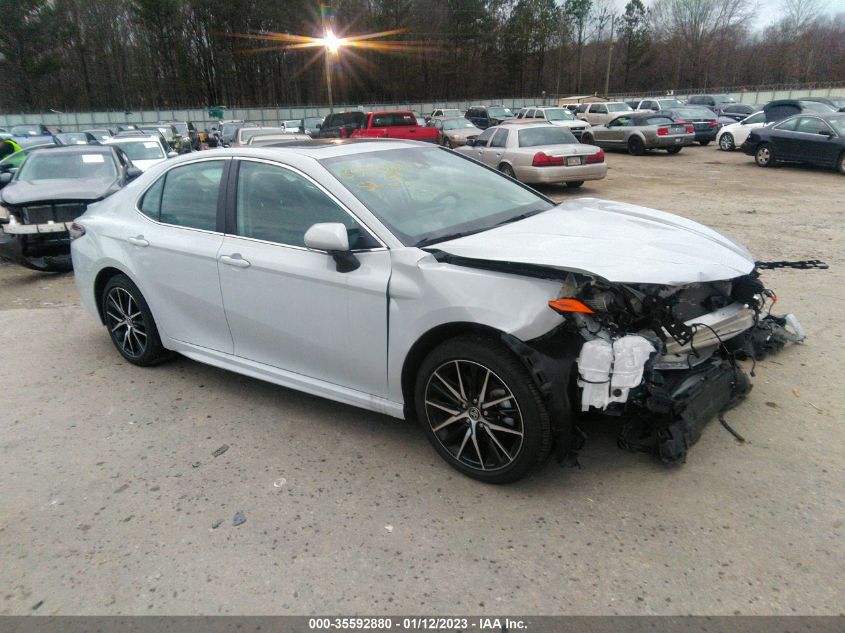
<point x="51" y="189"/>
<point x="739" y="111"/>
<point x="837" y="103"/>
<point x="342" y="124"/>
<point x="813" y="138"/>
<point x="483" y="117"/>
<point x="783" y="108"/>
<point x="716" y="103"/>
<point x="704" y="120"/>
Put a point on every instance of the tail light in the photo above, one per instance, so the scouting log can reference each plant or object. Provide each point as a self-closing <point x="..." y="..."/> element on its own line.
<point x="714" y="123"/>
<point x="690" y="129"/>
<point x="541" y="159"/>
<point x="76" y="230"/>
<point x="598" y="157"/>
<point x="662" y="131"/>
<point x="344" y="132"/>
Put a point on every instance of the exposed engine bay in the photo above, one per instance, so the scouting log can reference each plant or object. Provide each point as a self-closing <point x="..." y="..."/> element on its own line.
<point x="666" y="358"/>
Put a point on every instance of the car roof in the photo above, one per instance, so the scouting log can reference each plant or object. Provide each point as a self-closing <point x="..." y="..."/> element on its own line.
<point x="315" y="148"/>
<point x="83" y="149"/>
<point x="524" y="123"/>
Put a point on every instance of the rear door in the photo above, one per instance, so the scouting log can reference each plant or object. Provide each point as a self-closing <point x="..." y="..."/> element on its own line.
<point x="785" y="139"/>
<point x="815" y="141"/>
<point x="481" y="144"/>
<point x="493" y="153"/>
<point x="287" y="306"/>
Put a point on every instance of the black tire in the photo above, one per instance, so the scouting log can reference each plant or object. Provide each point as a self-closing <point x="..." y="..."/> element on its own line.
<point x="507" y="170"/>
<point x="494" y="445"/>
<point x="704" y="143"/>
<point x="574" y="184"/>
<point x="726" y="142"/>
<point x="587" y="139"/>
<point x="674" y="150"/>
<point x="444" y="141"/>
<point x="53" y="264"/>
<point x="137" y="339"/>
<point x="636" y="147"/>
<point x="840" y="163"/>
<point x="764" y="155"/>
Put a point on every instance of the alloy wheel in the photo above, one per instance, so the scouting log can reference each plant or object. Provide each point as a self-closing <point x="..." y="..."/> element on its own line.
<point x="474" y="415"/>
<point x="126" y="322"/>
<point x="726" y="142"/>
<point x="764" y="156"/>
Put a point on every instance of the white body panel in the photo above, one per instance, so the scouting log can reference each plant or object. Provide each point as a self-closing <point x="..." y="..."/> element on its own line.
<point x="742" y="129"/>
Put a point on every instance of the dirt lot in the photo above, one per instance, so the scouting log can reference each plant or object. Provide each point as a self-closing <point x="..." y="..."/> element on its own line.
<point x="109" y="486"/>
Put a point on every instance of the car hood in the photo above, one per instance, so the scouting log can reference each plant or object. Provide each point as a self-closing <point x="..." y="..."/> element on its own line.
<point x="569" y="123"/>
<point x="25" y="192"/>
<point x="619" y="242"/>
<point x="463" y="132"/>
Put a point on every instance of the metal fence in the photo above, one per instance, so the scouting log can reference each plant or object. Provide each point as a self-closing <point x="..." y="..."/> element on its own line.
<point x="73" y="121"/>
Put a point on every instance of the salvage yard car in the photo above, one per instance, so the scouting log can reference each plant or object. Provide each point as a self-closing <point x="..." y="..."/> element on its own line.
<point x="51" y="189"/>
<point x="705" y="123"/>
<point x="816" y="139"/>
<point x="537" y="152"/>
<point x="637" y="132"/>
<point x="406" y="279"/>
<point x="730" y="137"/>
<point x="454" y="131"/>
<point x="144" y="152"/>
<point x="556" y="116"/>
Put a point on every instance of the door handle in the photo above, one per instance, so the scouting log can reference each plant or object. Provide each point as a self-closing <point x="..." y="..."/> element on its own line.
<point x="235" y="260"/>
<point x="138" y="241"/>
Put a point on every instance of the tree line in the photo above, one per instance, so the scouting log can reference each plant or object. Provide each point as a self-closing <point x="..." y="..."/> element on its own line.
<point x="124" y="54"/>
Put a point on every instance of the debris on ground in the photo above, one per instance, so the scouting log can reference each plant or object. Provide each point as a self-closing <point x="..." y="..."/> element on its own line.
<point x="217" y="524"/>
<point x="196" y="464"/>
<point x="281" y="481"/>
<point x="389" y="528"/>
<point x="220" y="451"/>
<point x="37" y="605"/>
<point x="240" y="518"/>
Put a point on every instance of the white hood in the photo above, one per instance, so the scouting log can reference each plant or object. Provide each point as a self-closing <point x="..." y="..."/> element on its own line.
<point x="620" y="242"/>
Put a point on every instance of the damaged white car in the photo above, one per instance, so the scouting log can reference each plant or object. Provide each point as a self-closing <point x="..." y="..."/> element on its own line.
<point x="408" y="280"/>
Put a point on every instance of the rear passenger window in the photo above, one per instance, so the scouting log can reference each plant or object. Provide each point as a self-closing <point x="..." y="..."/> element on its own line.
<point x="151" y="202"/>
<point x="278" y="205"/>
<point x="500" y="139"/>
<point x="190" y="195"/>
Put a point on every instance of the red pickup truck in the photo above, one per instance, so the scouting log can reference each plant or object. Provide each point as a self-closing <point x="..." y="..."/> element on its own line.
<point x="395" y="124"/>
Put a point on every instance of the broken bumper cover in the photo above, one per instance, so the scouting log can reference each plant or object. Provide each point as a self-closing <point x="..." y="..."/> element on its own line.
<point x="35" y="229"/>
<point x="18" y="241"/>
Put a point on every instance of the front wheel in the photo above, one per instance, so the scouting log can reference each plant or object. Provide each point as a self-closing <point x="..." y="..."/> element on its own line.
<point x="130" y="322"/>
<point x="587" y="139"/>
<point x="764" y="156"/>
<point x="636" y="147"/>
<point x="481" y="411"/>
<point x="673" y="150"/>
<point x="726" y="142"/>
<point x="840" y="164"/>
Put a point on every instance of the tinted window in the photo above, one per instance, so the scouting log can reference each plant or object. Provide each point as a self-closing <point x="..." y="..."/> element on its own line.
<point x="356" y="119"/>
<point x="658" y="120"/>
<point x="789" y="125"/>
<point x="279" y="205"/>
<point x="812" y="125"/>
<point x="499" y="112"/>
<point x="559" y="114"/>
<point x="142" y="150"/>
<point x="601" y="109"/>
<point x="190" y="195"/>
<point x="500" y="139"/>
<point x="760" y="117"/>
<point x="151" y="202"/>
<point x="388" y="119"/>
<point x="535" y="136"/>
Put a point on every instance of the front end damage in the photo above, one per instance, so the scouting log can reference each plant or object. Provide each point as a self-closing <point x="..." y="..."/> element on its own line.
<point x="664" y="358"/>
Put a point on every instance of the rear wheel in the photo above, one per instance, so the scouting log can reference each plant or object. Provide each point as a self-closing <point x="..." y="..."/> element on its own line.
<point x="574" y="184"/>
<point x="587" y="139"/>
<point x="507" y="170"/>
<point x="726" y="142"/>
<point x="481" y="410"/>
<point x="703" y="143"/>
<point x="636" y="147"/>
<point x="130" y="322"/>
<point x="840" y="163"/>
<point x="764" y="156"/>
<point x="673" y="150"/>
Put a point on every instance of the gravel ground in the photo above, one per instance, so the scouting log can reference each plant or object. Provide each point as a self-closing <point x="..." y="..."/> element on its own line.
<point x="109" y="490"/>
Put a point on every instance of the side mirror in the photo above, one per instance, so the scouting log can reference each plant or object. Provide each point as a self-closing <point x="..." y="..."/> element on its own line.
<point x="6" y="177"/>
<point x="172" y="154"/>
<point x="132" y="172"/>
<point x="471" y="142"/>
<point x="826" y="133"/>
<point x="333" y="238"/>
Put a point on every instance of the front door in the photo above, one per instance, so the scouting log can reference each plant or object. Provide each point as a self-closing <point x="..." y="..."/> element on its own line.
<point x="288" y="306"/>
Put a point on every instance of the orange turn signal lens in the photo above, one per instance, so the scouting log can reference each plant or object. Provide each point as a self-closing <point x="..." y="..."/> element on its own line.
<point x="569" y="305"/>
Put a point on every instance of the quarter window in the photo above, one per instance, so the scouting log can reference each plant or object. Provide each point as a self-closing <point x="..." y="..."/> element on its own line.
<point x="151" y="202"/>
<point x="278" y="205"/>
<point x="190" y="195"/>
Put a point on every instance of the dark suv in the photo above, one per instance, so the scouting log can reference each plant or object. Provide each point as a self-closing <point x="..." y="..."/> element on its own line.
<point x="483" y="117"/>
<point x="714" y="102"/>
<point x="342" y="124"/>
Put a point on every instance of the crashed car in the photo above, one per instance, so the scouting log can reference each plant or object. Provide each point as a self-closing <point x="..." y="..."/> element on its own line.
<point x="406" y="279"/>
<point x="51" y="188"/>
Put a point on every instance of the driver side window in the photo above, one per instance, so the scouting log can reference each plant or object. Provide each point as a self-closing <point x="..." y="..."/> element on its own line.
<point x="278" y="205"/>
<point x="485" y="136"/>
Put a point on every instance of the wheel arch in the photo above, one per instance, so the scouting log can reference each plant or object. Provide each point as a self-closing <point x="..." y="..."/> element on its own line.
<point x="100" y="281"/>
<point x="425" y="344"/>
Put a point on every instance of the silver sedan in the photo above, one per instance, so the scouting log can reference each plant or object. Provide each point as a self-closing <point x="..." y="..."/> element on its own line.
<point x="537" y="153"/>
<point x="638" y="131"/>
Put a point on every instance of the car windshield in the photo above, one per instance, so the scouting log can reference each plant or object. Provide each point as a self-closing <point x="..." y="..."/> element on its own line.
<point x="247" y="133"/>
<point x="26" y="130"/>
<point x="100" y="134"/>
<point x="499" y="112"/>
<point x="669" y="103"/>
<point x="618" y="107"/>
<point x="228" y="129"/>
<point x="839" y="103"/>
<point x="693" y="113"/>
<point x="141" y="150"/>
<point x="546" y="135"/>
<point x="815" y="106"/>
<point x="559" y="114"/>
<point x="424" y="195"/>
<point x="454" y="112"/>
<point x="457" y="124"/>
<point x="345" y="118"/>
<point x="723" y="99"/>
<point x="73" y="138"/>
<point x="181" y="128"/>
<point x="58" y="164"/>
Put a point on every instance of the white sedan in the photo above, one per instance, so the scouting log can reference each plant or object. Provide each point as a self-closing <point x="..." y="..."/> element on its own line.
<point x="143" y="151"/>
<point x="732" y="136"/>
<point x="406" y="279"/>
